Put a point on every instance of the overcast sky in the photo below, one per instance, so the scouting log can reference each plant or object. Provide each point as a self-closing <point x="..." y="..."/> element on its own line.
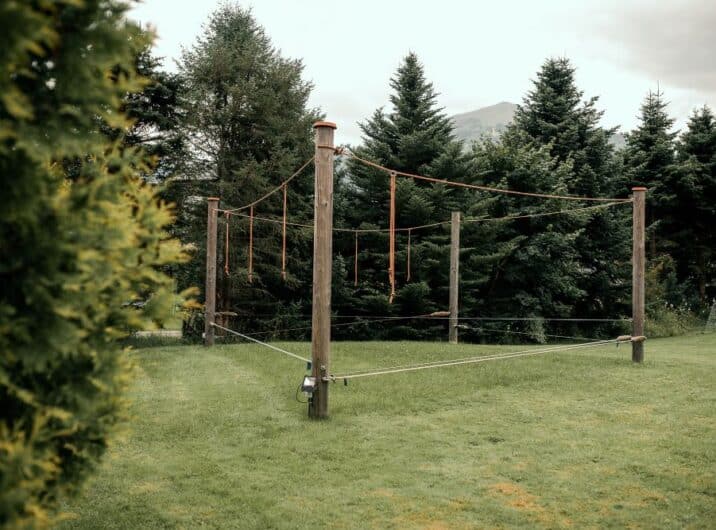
<point x="477" y="53"/>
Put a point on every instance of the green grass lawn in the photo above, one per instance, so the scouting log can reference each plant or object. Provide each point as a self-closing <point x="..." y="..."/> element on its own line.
<point x="573" y="439"/>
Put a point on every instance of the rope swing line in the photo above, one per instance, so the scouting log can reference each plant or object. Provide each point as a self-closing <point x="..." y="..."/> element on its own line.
<point x="274" y="190"/>
<point x="283" y="221"/>
<point x="442" y="223"/>
<point x="392" y="228"/>
<point x="346" y="152"/>
<point x="476" y="186"/>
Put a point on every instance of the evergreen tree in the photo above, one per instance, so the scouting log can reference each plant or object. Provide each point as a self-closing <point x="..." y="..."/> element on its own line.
<point x="649" y="157"/>
<point x="247" y="129"/>
<point x="534" y="269"/>
<point x="82" y="239"/>
<point x="686" y="204"/>
<point x="416" y="137"/>
<point x="555" y="116"/>
<point x="156" y="116"/>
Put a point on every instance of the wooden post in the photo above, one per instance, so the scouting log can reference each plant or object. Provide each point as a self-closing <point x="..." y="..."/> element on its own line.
<point x="322" y="268"/>
<point x="638" y="265"/>
<point x="454" y="274"/>
<point x="210" y="292"/>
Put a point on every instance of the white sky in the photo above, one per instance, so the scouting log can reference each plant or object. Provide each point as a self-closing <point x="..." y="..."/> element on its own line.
<point x="478" y="52"/>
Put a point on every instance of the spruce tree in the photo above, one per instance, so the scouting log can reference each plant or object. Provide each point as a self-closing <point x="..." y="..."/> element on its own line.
<point x="415" y="136"/>
<point x="555" y="116"/>
<point x="247" y="128"/>
<point x="685" y="201"/>
<point x="156" y="116"/>
<point x="533" y="263"/>
<point x="648" y="158"/>
<point x="82" y="240"/>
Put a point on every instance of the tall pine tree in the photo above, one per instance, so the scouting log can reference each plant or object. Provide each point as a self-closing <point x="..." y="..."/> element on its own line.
<point x="415" y="136"/>
<point x="156" y="116"/>
<point x="247" y="129"/>
<point x="555" y="116"/>
<point x="649" y="157"/>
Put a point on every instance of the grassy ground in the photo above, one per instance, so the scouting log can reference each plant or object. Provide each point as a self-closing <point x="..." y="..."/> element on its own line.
<point x="574" y="439"/>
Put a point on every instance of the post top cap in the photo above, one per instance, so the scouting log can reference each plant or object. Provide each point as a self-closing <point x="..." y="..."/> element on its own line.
<point x="213" y="199"/>
<point x="325" y="124"/>
<point x="638" y="188"/>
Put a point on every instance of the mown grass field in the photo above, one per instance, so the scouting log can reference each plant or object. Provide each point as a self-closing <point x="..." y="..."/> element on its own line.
<point x="574" y="439"/>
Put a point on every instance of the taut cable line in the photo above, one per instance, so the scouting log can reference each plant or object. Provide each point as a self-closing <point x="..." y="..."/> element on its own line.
<point x="271" y="346"/>
<point x="479" y="359"/>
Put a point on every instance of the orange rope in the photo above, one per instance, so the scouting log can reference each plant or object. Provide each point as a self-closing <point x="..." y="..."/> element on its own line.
<point x="442" y="223"/>
<point x="251" y="244"/>
<point x="482" y="188"/>
<point x="226" y="245"/>
<point x="274" y="190"/>
<point x="391" y="258"/>
<point x="283" y="236"/>
<point x="407" y="279"/>
<point x="355" y="264"/>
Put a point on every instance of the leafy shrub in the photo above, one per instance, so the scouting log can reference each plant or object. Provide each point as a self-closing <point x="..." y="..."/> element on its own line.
<point x="82" y="238"/>
<point x="668" y="308"/>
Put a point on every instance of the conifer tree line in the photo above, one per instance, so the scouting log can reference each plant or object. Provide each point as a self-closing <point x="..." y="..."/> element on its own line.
<point x="244" y="125"/>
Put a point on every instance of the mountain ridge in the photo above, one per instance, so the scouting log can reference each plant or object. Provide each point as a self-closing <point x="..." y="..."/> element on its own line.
<point x="492" y="120"/>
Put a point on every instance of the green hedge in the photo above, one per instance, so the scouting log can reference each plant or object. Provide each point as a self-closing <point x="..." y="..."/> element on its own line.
<point x="81" y="239"/>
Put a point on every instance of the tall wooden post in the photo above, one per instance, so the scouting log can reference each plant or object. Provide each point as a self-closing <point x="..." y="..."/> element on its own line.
<point x="454" y="274"/>
<point x="638" y="265"/>
<point x="322" y="268"/>
<point x="210" y="291"/>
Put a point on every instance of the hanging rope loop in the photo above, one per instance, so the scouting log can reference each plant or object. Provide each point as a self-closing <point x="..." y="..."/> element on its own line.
<point x="283" y="235"/>
<point x="251" y="245"/>
<point x="226" y="245"/>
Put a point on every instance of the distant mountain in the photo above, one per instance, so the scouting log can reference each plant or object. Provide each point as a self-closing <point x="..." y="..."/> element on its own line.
<point x="618" y="140"/>
<point x="491" y="121"/>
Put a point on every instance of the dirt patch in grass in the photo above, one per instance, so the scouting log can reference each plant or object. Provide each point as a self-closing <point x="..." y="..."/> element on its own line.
<point x="515" y="496"/>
